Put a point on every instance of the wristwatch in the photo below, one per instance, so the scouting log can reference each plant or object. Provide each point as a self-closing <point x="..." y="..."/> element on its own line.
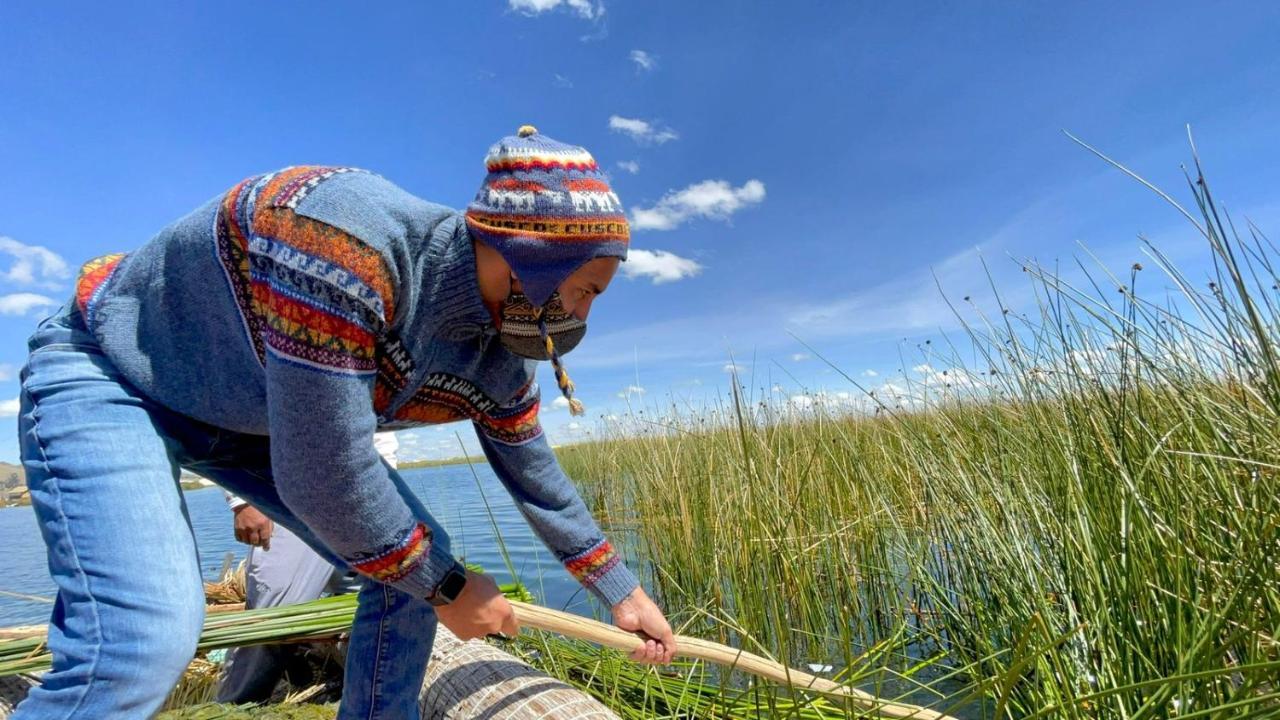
<point x="450" y="587"/>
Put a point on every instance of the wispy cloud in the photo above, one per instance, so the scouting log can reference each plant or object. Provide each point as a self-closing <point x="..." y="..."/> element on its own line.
<point x="33" y="264"/>
<point x="23" y="303"/>
<point x="870" y="373"/>
<point x="642" y="131"/>
<point x="908" y="302"/>
<point x="643" y="60"/>
<point x="659" y="265"/>
<point x="630" y="390"/>
<point x="583" y="8"/>
<point x="9" y="408"/>
<point x="561" y="81"/>
<point x="799" y="357"/>
<point x="630" y="166"/>
<point x="713" y="199"/>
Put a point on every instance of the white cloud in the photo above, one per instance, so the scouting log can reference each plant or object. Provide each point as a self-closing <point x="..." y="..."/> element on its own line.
<point x="643" y="60"/>
<point x="630" y="166"/>
<point x="6" y="371"/>
<point x="23" y="303"/>
<point x="952" y="379"/>
<point x="891" y="391"/>
<point x="923" y="368"/>
<point x="9" y="408"/>
<point x="870" y="373"/>
<point x="33" y="265"/>
<point x="799" y="357"/>
<point x="630" y="390"/>
<point x="714" y="199"/>
<point x="561" y="81"/>
<point x="732" y="368"/>
<point x="560" y="403"/>
<point x="662" y="266"/>
<point x="910" y="301"/>
<point x="642" y="131"/>
<point x="583" y="8"/>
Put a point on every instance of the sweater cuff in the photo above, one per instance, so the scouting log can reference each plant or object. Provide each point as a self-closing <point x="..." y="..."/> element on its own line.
<point x="416" y="565"/>
<point x="600" y="569"/>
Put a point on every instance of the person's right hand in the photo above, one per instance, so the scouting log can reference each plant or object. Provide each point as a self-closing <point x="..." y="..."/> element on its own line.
<point x="479" y="610"/>
<point x="252" y="527"/>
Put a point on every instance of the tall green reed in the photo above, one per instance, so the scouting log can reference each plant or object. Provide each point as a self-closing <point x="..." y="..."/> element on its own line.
<point x="1085" y="522"/>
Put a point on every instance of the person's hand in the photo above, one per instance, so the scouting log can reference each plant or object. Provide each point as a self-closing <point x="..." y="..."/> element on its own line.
<point x="479" y="610"/>
<point x="252" y="527"/>
<point x="637" y="614"/>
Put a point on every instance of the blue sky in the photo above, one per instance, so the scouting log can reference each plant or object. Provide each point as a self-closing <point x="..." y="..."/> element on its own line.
<point x="792" y="168"/>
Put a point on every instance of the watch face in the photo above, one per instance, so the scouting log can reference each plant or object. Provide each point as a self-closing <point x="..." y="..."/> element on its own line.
<point x="452" y="586"/>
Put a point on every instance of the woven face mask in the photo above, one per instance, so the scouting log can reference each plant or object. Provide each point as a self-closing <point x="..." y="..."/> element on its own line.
<point x="521" y="332"/>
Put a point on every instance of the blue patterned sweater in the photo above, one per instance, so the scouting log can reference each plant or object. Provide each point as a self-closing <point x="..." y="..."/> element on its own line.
<point x="317" y="305"/>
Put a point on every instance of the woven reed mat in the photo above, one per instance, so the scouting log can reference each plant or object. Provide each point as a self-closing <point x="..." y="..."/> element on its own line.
<point x="465" y="680"/>
<point x="473" y="679"/>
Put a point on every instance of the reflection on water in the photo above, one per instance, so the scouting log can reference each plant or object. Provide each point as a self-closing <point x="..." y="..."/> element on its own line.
<point x="449" y="492"/>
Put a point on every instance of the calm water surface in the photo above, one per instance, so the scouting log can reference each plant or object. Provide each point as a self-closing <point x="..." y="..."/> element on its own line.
<point x="450" y="492"/>
<point x="452" y="495"/>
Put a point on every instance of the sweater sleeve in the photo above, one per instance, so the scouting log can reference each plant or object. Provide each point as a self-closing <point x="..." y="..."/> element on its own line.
<point x="552" y="506"/>
<point x="329" y="474"/>
<point x="317" y="301"/>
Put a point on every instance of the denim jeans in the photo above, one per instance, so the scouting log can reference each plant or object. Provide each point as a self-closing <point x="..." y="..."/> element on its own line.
<point x="102" y="464"/>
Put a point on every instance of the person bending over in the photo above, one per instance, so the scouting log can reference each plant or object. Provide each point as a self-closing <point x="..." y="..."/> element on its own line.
<point x="261" y="341"/>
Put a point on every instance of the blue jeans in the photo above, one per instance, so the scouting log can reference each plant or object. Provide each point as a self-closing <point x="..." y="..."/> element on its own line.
<point x="102" y="463"/>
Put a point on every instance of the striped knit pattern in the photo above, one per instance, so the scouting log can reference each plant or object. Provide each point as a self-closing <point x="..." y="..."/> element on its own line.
<point x="400" y="559"/>
<point x="589" y="229"/>
<point x="307" y="291"/>
<point x="92" y="279"/>
<point x="550" y="155"/>
<point x="445" y="398"/>
<point x="593" y="563"/>
<point x="395" y="368"/>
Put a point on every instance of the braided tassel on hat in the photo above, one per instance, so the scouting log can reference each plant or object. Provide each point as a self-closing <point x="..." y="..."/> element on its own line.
<point x="562" y="377"/>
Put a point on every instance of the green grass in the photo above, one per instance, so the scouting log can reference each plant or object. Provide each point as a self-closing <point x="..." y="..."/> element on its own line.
<point x="1083" y="520"/>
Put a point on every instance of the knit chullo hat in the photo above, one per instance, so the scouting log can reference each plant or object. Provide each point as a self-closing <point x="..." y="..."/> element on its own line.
<point x="548" y="210"/>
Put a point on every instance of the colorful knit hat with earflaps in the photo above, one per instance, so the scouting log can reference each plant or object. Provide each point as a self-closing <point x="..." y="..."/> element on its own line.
<point x="547" y="209"/>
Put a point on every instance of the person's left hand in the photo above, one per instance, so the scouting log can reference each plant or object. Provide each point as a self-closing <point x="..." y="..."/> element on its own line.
<point x="252" y="527"/>
<point x="638" y="614"/>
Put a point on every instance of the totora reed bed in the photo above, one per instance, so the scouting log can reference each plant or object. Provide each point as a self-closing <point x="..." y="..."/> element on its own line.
<point x="1080" y="519"/>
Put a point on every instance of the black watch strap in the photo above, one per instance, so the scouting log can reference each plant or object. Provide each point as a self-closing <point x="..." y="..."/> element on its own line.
<point x="450" y="587"/>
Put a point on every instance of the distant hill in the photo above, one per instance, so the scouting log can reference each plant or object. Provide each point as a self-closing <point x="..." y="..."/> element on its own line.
<point x="11" y="476"/>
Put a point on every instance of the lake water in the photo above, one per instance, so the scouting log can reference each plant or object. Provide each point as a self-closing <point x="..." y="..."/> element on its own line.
<point x="450" y="492"/>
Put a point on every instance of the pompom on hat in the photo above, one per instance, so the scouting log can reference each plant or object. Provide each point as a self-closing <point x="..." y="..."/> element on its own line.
<point x="548" y="209"/>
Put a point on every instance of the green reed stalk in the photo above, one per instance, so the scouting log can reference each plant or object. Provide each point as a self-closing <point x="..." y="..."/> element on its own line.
<point x="1086" y="519"/>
